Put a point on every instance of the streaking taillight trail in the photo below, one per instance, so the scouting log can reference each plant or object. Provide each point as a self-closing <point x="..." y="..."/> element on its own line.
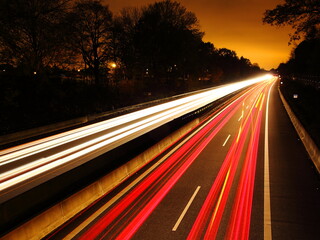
<point x="159" y="174"/>
<point x="211" y="213"/>
<point x="125" y="218"/>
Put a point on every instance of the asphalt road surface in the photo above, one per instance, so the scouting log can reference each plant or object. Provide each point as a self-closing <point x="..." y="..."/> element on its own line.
<point x="242" y="174"/>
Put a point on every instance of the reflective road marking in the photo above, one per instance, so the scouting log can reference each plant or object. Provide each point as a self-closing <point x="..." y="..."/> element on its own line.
<point x="185" y="209"/>
<point x="225" y="142"/>
<point x="267" y="208"/>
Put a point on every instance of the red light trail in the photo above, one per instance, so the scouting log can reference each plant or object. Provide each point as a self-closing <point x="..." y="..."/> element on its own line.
<point x="124" y="218"/>
<point x="159" y="174"/>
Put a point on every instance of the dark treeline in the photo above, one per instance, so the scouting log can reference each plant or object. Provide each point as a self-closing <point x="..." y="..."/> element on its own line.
<point x="61" y="59"/>
<point x="304" y="17"/>
<point x="301" y="77"/>
<point x="304" y="60"/>
<point x="301" y="73"/>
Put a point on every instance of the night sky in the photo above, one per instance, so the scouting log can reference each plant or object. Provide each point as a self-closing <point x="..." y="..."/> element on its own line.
<point x="236" y="25"/>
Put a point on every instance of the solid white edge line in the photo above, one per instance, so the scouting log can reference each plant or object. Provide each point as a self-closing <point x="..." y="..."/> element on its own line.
<point x="225" y="142"/>
<point x="185" y="209"/>
<point x="267" y="233"/>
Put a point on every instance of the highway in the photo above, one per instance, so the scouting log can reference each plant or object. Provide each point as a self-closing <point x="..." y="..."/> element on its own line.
<point x="198" y="173"/>
<point x="26" y="166"/>
<point x="241" y="174"/>
<point x="47" y="158"/>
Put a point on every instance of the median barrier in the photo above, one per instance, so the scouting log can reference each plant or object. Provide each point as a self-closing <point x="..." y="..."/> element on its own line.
<point x="49" y="220"/>
<point x="307" y="141"/>
<point x="30" y="133"/>
<point x="73" y="123"/>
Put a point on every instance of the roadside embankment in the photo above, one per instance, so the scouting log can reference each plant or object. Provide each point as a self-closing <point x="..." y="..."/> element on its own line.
<point x="308" y="142"/>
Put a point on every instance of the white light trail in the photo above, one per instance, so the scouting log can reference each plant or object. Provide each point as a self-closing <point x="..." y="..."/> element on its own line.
<point x="83" y="144"/>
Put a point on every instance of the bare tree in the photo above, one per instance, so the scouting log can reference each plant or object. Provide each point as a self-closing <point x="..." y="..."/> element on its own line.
<point x="124" y="30"/>
<point x="93" y="32"/>
<point x="31" y="32"/>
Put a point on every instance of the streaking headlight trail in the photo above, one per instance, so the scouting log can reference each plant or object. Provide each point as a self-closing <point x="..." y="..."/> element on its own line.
<point x="46" y="158"/>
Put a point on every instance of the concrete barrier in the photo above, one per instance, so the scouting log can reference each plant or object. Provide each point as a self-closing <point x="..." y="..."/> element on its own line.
<point x="18" y="136"/>
<point x="48" y="129"/>
<point x="57" y="215"/>
<point x="307" y="141"/>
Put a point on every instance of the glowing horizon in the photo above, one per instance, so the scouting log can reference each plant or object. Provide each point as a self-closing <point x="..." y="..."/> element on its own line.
<point x="236" y="25"/>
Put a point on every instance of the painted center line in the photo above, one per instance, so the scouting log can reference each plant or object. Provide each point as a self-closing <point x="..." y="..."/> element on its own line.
<point x="267" y="205"/>
<point x="225" y="142"/>
<point x="185" y="209"/>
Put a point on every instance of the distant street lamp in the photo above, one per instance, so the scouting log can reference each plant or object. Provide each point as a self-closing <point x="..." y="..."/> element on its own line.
<point x="113" y="65"/>
<point x="112" y="77"/>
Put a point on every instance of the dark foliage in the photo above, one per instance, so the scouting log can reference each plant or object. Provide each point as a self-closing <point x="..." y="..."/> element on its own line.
<point x="33" y="33"/>
<point x="302" y="15"/>
<point x="91" y="29"/>
<point x="63" y="59"/>
<point x="301" y="74"/>
<point x="305" y="60"/>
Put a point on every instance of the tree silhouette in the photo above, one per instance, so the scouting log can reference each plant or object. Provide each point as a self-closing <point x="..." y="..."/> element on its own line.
<point x="304" y="60"/>
<point x="93" y="32"/>
<point x="32" y="32"/>
<point x="124" y="30"/>
<point x="166" y="38"/>
<point x="160" y="44"/>
<point x="307" y="57"/>
<point x="302" y="15"/>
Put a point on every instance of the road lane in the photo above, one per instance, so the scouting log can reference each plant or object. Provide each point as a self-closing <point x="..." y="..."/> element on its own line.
<point x="185" y="209"/>
<point x="218" y="196"/>
<point x="267" y="231"/>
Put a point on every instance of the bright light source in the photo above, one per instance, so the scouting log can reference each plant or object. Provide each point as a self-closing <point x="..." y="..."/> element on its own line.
<point x="113" y="65"/>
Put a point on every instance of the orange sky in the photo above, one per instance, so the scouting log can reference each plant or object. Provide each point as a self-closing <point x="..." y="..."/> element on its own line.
<point x="234" y="24"/>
